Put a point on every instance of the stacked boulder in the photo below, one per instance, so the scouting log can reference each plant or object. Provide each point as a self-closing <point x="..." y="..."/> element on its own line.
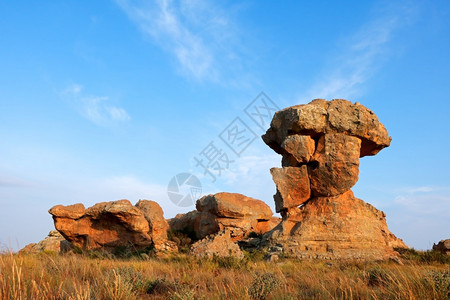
<point x="221" y="220"/>
<point x="234" y="212"/>
<point x="321" y="143"/>
<point x="113" y="224"/>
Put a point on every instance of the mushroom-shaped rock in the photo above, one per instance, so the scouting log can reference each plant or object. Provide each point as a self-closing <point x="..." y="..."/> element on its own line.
<point x="321" y="143"/>
<point x="320" y="116"/>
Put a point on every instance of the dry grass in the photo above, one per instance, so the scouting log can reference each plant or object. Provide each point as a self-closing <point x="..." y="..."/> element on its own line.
<point x="77" y="276"/>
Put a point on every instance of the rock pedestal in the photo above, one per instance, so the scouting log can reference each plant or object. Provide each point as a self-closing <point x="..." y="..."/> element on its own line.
<point x="321" y="144"/>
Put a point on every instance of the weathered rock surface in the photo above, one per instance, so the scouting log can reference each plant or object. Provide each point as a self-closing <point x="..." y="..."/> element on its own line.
<point x="335" y="164"/>
<point x="293" y="186"/>
<point x="321" y="117"/>
<point x="219" y="244"/>
<point x="335" y="227"/>
<point x="233" y="205"/>
<point x="300" y="147"/>
<point x="238" y="214"/>
<point x="53" y="242"/>
<point x="158" y="226"/>
<point x="111" y="224"/>
<point x="321" y="143"/>
<point x="443" y="246"/>
<point x="184" y="222"/>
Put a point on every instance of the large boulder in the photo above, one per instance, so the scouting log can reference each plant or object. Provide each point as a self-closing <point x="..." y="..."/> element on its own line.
<point x="320" y="117"/>
<point x="238" y="214"/>
<point x="154" y="215"/>
<point x="233" y="205"/>
<point x="443" y="246"/>
<point x="111" y="224"/>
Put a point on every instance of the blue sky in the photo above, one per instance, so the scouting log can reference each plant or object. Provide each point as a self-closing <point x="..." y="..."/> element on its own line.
<point x="105" y="100"/>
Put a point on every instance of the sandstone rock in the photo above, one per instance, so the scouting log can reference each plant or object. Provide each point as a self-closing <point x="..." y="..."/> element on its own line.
<point x="74" y="211"/>
<point x="233" y="205"/>
<point x="443" y="246"/>
<point x="154" y="215"/>
<point x="293" y="186"/>
<point x="321" y="116"/>
<point x="54" y="242"/>
<point x="238" y="214"/>
<point x="219" y="244"/>
<point x="359" y="121"/>
<point x="300" y="147"/>
<point x="263" y="226"/>
<point x="335" y="227"/>
<point x="206" y="224"/>
<point x="321" y="143"/>
<point x="111" y="224"/>
<point x="335" y="166"/>
<point x="184" y="222"/>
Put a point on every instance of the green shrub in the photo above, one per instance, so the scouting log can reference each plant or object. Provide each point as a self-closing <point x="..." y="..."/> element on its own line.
<point x="441" y="281"/>
<point x="263" y="285"/>
<point x="429" y="256"/>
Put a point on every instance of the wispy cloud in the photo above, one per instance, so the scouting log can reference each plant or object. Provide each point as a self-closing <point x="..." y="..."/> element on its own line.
<point x="9" y="181"/>
<point x="97" y="109"/>
<point x="368" y="49"/>
<point x="426" y="200"/>
<point x="198" y="34"/>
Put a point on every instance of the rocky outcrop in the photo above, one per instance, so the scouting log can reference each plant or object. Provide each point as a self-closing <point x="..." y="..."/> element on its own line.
<point x="321" y="143"/>
<point x="219" y="245"/>
<point x="443" y="246"/>
<point x="236" y="213"/>
<point x="111" y="224"/>
<point x="54" y="242"/>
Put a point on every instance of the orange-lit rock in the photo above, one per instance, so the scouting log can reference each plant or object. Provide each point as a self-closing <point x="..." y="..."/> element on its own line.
<point x="111" y="224"/>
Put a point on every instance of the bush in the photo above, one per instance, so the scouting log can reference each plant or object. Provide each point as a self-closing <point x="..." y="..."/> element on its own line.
<point x="430" y="256"/>
<point x="263" y="285"/>
<point x="441" y="281"/>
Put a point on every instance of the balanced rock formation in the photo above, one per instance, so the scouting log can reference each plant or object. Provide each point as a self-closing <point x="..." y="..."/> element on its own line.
<point x="321" y="143"/>
<point x="443" y="246"/>
<point x="111" y="224"/>
<point x="238" y="214"/>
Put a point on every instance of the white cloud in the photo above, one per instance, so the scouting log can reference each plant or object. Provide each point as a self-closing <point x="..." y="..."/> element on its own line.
<point x="426" y="200"/>
<point x="117" y="113"/>
<point x="196" y="33"/>
<point x="97" y="109"/>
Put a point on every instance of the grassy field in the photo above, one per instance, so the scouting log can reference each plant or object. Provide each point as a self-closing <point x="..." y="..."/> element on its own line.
<point x="93" y="276"/>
